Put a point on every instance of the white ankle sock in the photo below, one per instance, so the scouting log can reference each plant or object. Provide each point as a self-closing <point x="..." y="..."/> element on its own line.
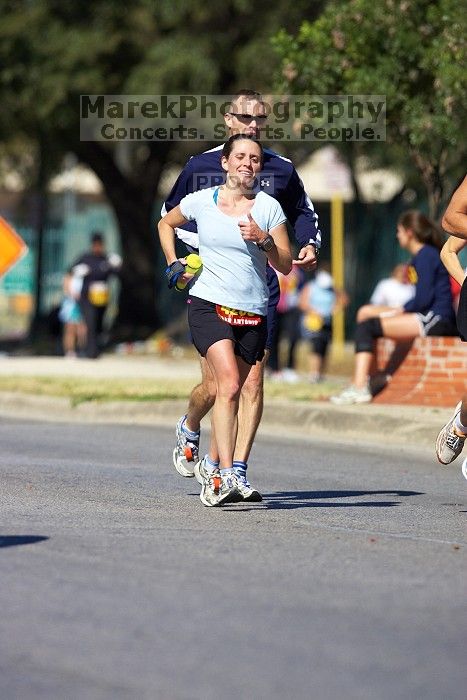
<point x="458" y="425"/>
<point x="189" y="433"/>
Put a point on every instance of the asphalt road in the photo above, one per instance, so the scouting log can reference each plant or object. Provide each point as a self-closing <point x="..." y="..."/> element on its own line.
<point x="349" y="580"/>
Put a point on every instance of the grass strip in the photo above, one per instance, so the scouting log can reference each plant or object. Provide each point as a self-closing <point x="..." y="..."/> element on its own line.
<point x="80" y="390"/>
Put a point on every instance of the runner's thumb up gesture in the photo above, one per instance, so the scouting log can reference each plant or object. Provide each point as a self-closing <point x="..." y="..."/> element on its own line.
<point x="250" y="230"/>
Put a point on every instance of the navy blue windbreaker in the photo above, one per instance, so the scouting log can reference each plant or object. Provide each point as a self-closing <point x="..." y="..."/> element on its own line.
<point x="432" y="286"/>
<point x="278" y="178"/>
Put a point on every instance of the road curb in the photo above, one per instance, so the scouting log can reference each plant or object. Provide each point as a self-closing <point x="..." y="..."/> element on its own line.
<point x="385" y="425"/>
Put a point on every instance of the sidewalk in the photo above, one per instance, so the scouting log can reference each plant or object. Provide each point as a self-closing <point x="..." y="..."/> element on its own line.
<point x="386" y="426"/>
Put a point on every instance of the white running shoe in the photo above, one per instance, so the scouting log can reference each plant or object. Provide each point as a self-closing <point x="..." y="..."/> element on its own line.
<point x="449" y="444"/>
<point x="216" y="490"/>
<point x="247" y="492"/>
<point x="201" y="472"/>
<point x="210" y="490"/>
<point x="464" y="468"/>
<point x="290" y="376"/>
<point x="229" y="491"/>
<point x="185" y="454"/>
<point x="352" y="395"/>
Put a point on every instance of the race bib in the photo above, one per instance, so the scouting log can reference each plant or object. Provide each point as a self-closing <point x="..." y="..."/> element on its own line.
<point x="236" y="317"/>
<point x="98" y="293"/>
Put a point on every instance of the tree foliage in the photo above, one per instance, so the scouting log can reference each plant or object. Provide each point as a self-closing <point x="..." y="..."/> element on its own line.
<point x="412" y="51"/>
<point x="52" y="51"/>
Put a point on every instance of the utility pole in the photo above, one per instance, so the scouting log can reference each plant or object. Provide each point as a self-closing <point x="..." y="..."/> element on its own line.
<point x="337" y="272"/>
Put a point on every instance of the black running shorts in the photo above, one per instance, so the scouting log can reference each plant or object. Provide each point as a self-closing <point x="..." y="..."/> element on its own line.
<point x="434" y="324"/>
<point x="462" y="312"/>
<point x="207" y="327"/>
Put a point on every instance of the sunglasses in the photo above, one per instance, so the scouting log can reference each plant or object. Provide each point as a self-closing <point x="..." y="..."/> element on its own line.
<point x="249" y="117"/>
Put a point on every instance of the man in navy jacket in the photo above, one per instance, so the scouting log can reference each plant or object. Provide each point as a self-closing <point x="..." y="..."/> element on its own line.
<point x="280" y="180"/>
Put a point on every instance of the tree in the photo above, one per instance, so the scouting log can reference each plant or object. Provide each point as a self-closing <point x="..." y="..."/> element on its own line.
<point x="411" y="51"/>
<point x="116" y="47"/>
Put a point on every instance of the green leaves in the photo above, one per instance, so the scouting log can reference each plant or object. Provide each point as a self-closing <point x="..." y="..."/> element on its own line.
<point x="413" y="52"/>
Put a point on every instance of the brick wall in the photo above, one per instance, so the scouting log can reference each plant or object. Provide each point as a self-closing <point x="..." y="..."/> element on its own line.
<point x="433" y="371"/>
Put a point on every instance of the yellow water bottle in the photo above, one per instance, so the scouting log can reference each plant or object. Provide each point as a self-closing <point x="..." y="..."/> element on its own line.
<point x="193" y="267"/>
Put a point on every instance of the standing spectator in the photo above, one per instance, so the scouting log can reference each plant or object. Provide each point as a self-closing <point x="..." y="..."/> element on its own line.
<point x="94" y="268"/>
<point x="318" y="300"/>
<point x="287" y="324"/>
<point x="395" y="290"/>
<point x="74" y="329"/>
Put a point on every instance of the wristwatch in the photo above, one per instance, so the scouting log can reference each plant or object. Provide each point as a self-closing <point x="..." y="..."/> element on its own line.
<point x="266" y="244"/>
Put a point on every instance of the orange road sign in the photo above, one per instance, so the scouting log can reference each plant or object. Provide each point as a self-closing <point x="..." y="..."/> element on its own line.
<point x="12" y="247"/>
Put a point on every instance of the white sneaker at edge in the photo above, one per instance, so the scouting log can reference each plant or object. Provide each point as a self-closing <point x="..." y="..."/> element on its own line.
<point x="449" y="445"/>
<point x="352" y="395"/>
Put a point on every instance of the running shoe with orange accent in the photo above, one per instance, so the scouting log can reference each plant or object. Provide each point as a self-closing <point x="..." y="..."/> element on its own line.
<point x="216" y="490"/>
<point x="185" y="454"/>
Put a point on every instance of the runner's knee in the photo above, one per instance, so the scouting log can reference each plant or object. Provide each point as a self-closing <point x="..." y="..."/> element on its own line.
<point x="229" y="387"/>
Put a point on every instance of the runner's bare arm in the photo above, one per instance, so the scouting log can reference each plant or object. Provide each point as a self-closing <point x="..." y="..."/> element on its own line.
<point x="454" y="220"/>
<point x="280" y="257"/>
<point x="450" y="260"/>
<point x="166" y="227"/>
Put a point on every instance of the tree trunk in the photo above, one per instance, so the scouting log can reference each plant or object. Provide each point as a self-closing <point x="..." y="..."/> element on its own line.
<point x="137" y="316"/>
<point x="39" y="331"/>
<point x="432" y="174"/>
<point x="132" y="197"/>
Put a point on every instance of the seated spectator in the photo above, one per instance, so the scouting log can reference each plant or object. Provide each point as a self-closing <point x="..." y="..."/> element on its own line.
<point x="395" y="290"/>
<point x="429" y="313"/>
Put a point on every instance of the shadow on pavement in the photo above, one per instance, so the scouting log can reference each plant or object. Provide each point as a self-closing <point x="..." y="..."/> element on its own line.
<point x="307" y="499"/>
<point x="15" y="540"/>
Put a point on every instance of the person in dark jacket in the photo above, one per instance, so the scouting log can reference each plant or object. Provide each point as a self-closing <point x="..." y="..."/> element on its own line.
<point x="94" y="268"/>
<point x="429" y="312"/>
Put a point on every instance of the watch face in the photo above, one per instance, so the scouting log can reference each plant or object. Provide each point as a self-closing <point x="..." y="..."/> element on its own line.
<point x="268" y="244"/>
